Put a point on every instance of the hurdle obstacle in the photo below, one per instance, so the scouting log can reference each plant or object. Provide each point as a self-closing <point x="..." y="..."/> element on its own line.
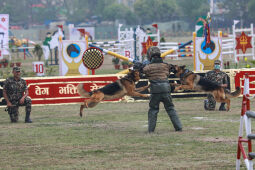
<point x="176" y="48"/>
<point x="134" y="47"/>
<point x="139" y="36"/>
<point x="186" y="52"/>
<point x="113" y="53"/>
<point x="133" y="60"/>
<point x="229" y="43"/>
<point x="127" y="36"/>
<point x="115" y="46"/>
<point x="250" y="33"/>
<point x="228" y="47"/>
<point x="245" y="121"/>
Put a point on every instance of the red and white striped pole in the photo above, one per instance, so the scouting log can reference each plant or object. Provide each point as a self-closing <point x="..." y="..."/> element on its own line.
<point x="244" y="119"/>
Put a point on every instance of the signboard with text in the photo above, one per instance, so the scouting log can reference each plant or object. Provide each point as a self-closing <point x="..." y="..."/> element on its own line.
<point x="61" y="90"/>
<point x="38" y="68"/>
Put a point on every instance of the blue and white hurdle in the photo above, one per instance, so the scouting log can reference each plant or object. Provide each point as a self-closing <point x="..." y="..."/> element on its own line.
<point x="186" y="51"/>
<point x="115" y="46"/>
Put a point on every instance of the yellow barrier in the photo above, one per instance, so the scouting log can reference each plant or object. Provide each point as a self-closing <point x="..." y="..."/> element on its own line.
<point x="162" y="55"/>
<point x="118" y="56"/>
<point x="123" y="72"/>
<point x="167" y="52"/>
<point x="131" y="60"/>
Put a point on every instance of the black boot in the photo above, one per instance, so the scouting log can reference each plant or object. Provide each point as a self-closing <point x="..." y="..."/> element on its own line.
<point x="222" y="107"/>
<point x="27" y="119"/>
<point x="206" y="104"/>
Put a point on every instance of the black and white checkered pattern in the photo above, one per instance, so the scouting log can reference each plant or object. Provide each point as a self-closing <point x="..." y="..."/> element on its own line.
<point x="93" y="58"/>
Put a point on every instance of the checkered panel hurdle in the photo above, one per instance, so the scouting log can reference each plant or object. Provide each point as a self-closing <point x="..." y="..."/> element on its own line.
<point x="93" y="58"/>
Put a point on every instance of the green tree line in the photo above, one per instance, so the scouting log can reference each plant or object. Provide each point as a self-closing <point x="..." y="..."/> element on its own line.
<point x="27" y="12"/>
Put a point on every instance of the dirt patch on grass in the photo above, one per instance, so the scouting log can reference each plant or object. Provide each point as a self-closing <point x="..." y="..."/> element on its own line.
<point x="215" y="120"/>
<point x="219" y="140"/>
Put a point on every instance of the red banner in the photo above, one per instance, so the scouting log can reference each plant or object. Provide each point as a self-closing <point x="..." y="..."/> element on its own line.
<point x="239" y="80"/>
<point x="61" y="90"/>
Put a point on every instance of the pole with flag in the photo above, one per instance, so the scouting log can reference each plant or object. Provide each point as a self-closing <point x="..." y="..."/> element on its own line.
<point x="157" y="30"/>
<point x="60" y="33"/>
<point x="236" y="22"/>
<point x="155" y="26"/>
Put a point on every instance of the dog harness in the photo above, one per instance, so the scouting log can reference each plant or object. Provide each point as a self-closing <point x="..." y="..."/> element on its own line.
<point x="185" y="74"/>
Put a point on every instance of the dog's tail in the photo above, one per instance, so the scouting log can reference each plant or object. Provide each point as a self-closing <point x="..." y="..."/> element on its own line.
<point x="81" y="90"/>
<point x="235" y="93"/>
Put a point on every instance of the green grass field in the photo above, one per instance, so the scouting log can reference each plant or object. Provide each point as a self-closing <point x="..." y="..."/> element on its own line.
<point x="114" y="136"/>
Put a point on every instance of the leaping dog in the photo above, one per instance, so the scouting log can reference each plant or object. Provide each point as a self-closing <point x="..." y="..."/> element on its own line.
<point x="118" y="89"/>
<point x="192" y="81"/>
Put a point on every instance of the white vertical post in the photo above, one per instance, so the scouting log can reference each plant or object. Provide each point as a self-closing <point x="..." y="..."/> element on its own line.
<point x="238" y="164"/>
<point x="234" y="38"/>
<point x="158" y="35"/>
<point x="211" y="6"/>
<point x="246" y="161"/>
<point x="241" y="127"/>
<point x="247" y="125"/>
<point x="119" y="32"/>
<point x="251" y="165"/>
<point x="252" y="42"/>
<point x="220" y="46"/>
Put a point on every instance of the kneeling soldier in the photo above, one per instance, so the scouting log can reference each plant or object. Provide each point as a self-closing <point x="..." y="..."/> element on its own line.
<point x="15" y="93"/>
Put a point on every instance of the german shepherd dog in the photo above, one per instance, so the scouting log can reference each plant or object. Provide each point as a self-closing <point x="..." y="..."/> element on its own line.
<point x="192" y="81"/>
<point x="118" y="89"/>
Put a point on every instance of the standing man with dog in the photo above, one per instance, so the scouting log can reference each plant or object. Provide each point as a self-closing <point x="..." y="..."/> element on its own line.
<point x="15" y="93"/>
<point x="158" y="72"/>
<point x="220" y="77"/>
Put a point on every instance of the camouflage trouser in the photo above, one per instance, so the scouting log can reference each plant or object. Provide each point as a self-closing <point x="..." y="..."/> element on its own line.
<point x="210" y="103"/>
<point x="169" y="107"/>
<point x="14" y="110"/>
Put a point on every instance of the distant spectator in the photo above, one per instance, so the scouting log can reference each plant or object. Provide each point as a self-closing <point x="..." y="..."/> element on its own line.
<point x="148" y="32"/>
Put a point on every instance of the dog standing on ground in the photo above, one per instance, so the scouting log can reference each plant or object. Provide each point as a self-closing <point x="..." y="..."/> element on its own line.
<point x="118" y="89"/>
<point x="192" y="81"/>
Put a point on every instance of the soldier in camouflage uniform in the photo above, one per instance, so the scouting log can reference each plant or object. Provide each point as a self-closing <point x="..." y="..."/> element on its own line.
<point x="221" y="78"/>
<point x="15" y="92"/>
<point x="158" y="72"/>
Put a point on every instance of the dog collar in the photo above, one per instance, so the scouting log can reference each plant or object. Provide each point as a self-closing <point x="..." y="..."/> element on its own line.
<point x="185" y="72"/>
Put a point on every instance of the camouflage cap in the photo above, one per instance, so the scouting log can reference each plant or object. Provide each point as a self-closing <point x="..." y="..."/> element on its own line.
<point x="217" y="62"/>
<point x="17" y="69"/>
